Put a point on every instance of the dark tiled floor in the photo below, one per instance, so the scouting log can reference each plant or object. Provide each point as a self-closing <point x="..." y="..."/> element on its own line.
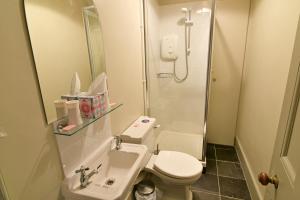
<point x="226" y="155"/>
<point x="207" y="183"/>
<point x="230" y="169"/>
<point x="224" y="178"/>
<point x="212" y="169"/>
<point x="205" y="196"/>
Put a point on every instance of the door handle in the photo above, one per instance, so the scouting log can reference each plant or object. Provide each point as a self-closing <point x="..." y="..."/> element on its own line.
<point x="264" y="179"/>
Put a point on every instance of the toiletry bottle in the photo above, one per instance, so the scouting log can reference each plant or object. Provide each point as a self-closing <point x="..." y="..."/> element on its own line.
<point x="61" y="109"/>
<point x="75" y="85"/>
<point x="74" y="113"/>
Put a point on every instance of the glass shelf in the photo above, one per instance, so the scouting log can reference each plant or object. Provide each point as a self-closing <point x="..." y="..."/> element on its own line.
<point x="63" y="122"/>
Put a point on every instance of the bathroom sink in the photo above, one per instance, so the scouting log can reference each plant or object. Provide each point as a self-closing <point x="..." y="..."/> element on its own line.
<point x="115" y="178"/>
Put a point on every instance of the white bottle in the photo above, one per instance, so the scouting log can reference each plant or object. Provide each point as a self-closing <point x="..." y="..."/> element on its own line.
<point x="61" y="109"/>
<point x="74" y="113"/>
<point x="75" y="85"/>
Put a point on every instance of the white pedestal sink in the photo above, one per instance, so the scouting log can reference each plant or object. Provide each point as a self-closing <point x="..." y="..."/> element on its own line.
<point x="119" y="169"/>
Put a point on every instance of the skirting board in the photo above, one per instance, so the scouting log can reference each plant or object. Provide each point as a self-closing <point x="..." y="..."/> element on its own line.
<point x="249" y="176"/>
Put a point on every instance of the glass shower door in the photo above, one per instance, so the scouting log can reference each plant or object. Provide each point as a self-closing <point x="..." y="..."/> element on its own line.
<point x="177" y="55"/>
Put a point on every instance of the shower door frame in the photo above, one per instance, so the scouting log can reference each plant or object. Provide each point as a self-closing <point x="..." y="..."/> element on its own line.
<point x="208" y="76"/>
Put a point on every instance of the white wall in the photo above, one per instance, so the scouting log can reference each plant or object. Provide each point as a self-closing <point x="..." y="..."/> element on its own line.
<point x="231" y="20"/>
<point x="121" y="24"/>
<point x="28" y="156"/>
<point x="29" y="159"/>
<point x="270" y="43"/>
<point x="178" y="106"/>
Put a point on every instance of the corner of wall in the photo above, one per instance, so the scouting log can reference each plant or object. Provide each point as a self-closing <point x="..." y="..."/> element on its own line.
<point x="250" y="177"/>
<point x="230" y="39"/>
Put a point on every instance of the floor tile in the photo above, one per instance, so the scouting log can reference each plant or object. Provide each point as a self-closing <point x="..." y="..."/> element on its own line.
<point x="205" y="196"/>
<point x="210" y="153"/>
<point x="234" y="188"/>
<point x="207" y="183"/>
<point x="230" y="169"/>
<point x="220" y="146"/>
<point x="211" y="167"/>
<point x="227" y="198"/>
<point x="227" y="155"/>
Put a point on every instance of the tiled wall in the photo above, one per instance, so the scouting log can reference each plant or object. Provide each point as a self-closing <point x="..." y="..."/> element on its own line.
<point x="178" y="106"/>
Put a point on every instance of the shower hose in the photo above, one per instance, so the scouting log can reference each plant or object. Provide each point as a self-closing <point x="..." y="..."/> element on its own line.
<point x="187" y="32"/>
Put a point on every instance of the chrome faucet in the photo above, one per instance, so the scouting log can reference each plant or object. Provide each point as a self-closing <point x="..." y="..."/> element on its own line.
<point x="118" y="142"/>
<point x="84" y="178"/>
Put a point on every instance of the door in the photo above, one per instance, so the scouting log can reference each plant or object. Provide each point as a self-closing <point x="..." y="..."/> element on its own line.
<point x="285" y="166"/>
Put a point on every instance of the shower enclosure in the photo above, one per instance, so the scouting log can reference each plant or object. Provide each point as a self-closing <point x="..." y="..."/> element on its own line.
<point x="178" y="45"/>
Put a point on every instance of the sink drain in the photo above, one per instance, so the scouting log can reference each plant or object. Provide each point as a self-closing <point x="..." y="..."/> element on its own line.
<point x="110" y="181"/>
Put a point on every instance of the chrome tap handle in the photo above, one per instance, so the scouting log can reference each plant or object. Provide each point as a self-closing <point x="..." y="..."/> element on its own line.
<point x="118" y="142"/>
<point x="156" y="152"/>
<point x="82" y="169"/>
<point x="118" y="138"/>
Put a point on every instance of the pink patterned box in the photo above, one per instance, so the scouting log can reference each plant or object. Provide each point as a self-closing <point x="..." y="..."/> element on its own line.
<point x="92" y="106"/>
<point x="103" y="103"/>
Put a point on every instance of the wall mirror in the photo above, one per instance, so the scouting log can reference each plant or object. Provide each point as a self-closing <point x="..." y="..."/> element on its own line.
<point x="65" y="38"/>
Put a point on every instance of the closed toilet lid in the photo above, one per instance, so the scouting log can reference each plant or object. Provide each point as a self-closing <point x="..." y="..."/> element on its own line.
<point x="177" y="164"/>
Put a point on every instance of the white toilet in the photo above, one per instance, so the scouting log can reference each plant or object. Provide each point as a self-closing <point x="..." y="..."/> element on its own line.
<point x="175" y="169"/>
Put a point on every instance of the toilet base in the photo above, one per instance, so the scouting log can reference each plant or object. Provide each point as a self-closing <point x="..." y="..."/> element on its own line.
<point x="188" y="193"/>
<point x="204" y="170"/>
<point x="171" y="191"/>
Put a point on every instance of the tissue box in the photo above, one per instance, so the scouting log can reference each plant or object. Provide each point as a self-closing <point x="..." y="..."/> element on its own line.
<point x="89" y="106"/>
<point x="103" y="105"/>
<point x="92" y="106"/>
<point x="69" y="97"/>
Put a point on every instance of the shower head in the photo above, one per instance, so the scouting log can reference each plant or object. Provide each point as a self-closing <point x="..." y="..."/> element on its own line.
<point x="188" y="15"/>
<point x="203" y="10"/>
<point x="184" y="10"/>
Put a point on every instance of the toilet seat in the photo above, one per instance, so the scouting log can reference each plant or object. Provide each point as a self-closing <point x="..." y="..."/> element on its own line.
<point x="177" y="164"/>
<point x="175" y="167"/>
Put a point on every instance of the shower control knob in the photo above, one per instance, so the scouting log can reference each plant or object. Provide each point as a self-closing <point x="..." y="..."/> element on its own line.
<point x="157" y="126"/>
<point x="264" y="179"/>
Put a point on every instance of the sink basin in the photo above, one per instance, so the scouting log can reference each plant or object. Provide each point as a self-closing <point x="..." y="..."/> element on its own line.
<point x="119" y="169"/>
